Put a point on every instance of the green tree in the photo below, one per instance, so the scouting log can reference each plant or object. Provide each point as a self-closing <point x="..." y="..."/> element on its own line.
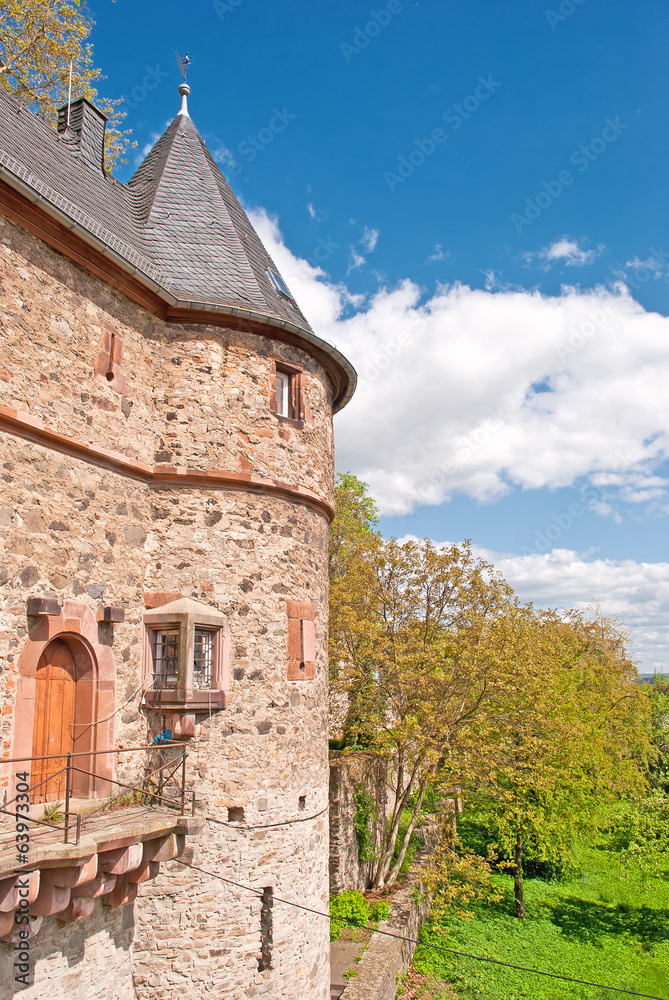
<point x="411" y="635"/>
<point x="354" y="538"/>
<point x="641" y="823"/>
<point x="38" y="41"/>
<point x="563" y="734"/>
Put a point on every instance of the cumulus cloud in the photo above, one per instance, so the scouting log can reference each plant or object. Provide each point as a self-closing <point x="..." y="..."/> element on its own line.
<point x="564" y="250"/>
<point x="483" y="391"/>
<point x="636" y="591"/>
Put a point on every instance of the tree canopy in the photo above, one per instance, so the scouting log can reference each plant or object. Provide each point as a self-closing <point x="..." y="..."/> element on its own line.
<point x="39" y="39"/>
<point x="536" y="715"/>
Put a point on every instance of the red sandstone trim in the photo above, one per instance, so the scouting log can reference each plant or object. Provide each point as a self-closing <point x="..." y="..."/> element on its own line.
<point x="26" y="426"/>
<point x="28" y="215"/>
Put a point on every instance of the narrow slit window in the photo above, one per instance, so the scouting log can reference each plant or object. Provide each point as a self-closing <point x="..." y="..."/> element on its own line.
<point x="283" y="394"/>
<point x="203" y="658"/>
<point x="166" y="660"/>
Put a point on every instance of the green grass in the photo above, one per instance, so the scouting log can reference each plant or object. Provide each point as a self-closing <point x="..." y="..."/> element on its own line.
<point x="593" y="926"/>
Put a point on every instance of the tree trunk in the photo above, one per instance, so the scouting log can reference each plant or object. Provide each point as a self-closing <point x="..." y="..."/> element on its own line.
<point x="389" y="840"/>
<point x="518" y="878"/>
<point x="392" y="877"/>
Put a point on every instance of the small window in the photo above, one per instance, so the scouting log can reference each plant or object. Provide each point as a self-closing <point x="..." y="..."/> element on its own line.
<point x="203" y="658"/>
<point x="166" y="660"/>
<point x="186" y="659"/>
<point x="279" y="284"/>
<point x="287" y="391"/>
<point x="283" y="394"/>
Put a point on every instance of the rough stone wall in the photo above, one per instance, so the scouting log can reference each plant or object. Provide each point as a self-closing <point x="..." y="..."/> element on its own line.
<point x="347" y="772"/>
<point x="86" y="960"/>
<point x="199" y="396"/>
<point x="71" y="528"/>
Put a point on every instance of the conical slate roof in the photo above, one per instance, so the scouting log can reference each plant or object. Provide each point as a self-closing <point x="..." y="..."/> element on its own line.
<point x="196" y="231"/>
<point x="176" y="227"/>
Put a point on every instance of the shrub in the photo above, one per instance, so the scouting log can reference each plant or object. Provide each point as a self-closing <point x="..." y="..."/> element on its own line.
<point x="380" y="910"/>
<point x="350" y="905"/>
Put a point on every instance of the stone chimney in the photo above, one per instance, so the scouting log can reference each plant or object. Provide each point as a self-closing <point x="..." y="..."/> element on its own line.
<point x="86" y="126"/>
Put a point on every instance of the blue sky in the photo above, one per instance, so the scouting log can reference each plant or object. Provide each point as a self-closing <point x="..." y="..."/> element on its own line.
<point x="472" y="201"/>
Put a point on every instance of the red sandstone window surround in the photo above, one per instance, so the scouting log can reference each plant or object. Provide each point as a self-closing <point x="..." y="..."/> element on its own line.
<point x="186" y="657"/>
<point x="301" y="641"/>
<point x="286" y="392"/>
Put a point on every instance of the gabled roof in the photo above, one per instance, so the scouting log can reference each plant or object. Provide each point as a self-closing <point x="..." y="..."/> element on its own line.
<point x="177" y="227"/>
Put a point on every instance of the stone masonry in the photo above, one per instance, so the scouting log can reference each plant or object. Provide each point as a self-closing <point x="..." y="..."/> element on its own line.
<point x="86" y="522"/>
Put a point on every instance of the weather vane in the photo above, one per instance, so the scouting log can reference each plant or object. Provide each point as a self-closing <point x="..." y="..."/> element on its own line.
<point x="184" y="64"/>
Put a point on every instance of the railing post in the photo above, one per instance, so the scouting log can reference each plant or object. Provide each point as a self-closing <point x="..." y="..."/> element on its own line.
<point x="68" y="774"/>
<point x="183" y="784"/>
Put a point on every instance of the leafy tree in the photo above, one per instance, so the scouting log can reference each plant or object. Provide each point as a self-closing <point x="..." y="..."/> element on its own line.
<point x="354" y="538"/>
<point x="410" y="635"/>
<point x="641" y="823"/>
<point x="563" y="734"/>
<point x="38" y="41"/>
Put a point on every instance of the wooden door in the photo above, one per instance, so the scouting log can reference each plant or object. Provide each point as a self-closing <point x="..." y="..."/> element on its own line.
<point x="53" y="724"/>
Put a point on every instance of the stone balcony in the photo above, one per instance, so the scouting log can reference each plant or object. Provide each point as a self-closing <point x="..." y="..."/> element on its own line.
<point x="116" y="852"/>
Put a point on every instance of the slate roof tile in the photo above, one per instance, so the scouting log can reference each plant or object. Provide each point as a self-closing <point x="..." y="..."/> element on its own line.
<point x="177" y="220"/>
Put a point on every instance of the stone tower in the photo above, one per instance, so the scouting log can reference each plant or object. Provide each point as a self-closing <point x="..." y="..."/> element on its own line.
<point x="165" y="492"/>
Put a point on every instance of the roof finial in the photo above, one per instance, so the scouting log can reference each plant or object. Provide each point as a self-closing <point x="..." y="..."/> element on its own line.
<point x="184" y="89"/>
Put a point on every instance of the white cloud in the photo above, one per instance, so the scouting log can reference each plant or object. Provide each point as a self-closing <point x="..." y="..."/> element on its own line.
<point x="485" y="391"/>
<point x="651" y="265"/>
<point x="355" y="260"/>
<point x="439" y="253"/>
<point x="564" y="250"/>
<point x="369" y="239"/>
<point x="223" y="155"/>
<point x="637" y="591"/>
<point x="314" y="213"/>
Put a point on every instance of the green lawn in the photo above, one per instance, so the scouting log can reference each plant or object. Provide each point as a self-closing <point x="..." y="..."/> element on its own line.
<point x="593" y="926"/>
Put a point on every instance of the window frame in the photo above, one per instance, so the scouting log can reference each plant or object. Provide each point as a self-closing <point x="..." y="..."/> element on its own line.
<point x="296" y="392"/>
<point x="185" y="695"/>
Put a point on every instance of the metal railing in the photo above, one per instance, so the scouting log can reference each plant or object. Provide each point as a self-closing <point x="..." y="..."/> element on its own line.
<point x="148" y="791"/>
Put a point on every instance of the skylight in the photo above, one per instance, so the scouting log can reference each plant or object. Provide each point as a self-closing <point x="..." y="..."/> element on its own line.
<point x="279" y="283"/>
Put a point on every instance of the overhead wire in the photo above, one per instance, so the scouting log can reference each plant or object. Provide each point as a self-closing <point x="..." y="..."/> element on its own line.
<point x="423" y="944"/>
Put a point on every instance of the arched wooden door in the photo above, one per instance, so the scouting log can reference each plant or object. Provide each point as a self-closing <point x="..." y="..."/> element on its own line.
<point x="53" y="725"/>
